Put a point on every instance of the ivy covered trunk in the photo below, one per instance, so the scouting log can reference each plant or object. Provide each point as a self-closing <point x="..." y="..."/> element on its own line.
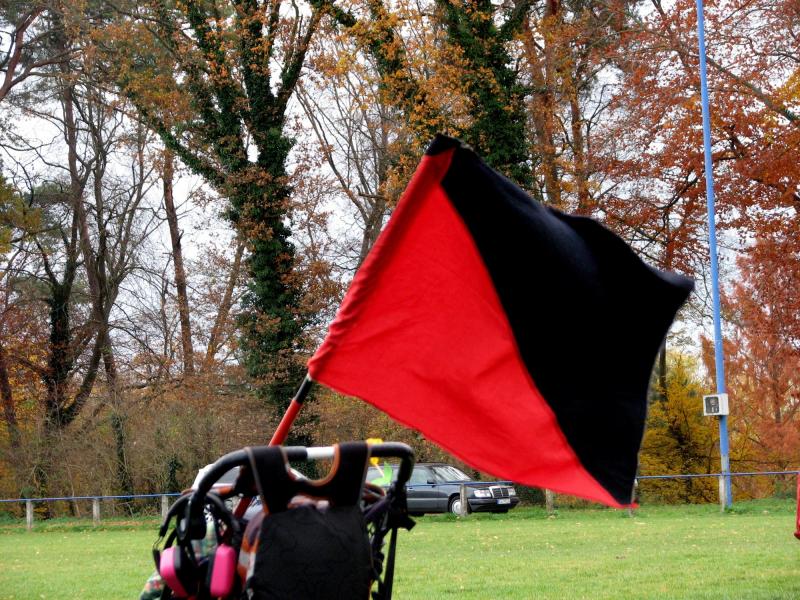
<point x="496" y="96"/>
<point x="230" y="68"/>
<point x="271" y="326"/>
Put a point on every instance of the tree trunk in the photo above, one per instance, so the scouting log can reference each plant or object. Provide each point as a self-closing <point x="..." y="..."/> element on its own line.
<point x="494" y="94"/>
<point x="543" y="114"/>
<point x="77" y="186"/>
<point x="9" y="412"/>
<point x="43" y="467"/>
<point x="372" y="229"/>
<point x="118" y="418"/>
<point x="662" y="372"/>
<point x="59" y="363"/>
<point x="214" y="340"/>
<point x="272" y="330"/>
<point x="177" y="261"/>
<point x="581" y="168"/>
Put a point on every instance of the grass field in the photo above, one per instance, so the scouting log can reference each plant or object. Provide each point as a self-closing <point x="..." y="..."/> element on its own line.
<point x="661" y="552"/>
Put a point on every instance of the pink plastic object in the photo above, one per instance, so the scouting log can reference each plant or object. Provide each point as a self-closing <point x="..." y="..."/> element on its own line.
<point x="223" y="571"/>
<point x="169" y="574"/>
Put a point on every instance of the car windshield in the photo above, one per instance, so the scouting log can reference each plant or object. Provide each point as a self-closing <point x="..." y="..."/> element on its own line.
<point x="382" y="475"/>
<point x="229" y="478"/>
<point x="448" y="473"/>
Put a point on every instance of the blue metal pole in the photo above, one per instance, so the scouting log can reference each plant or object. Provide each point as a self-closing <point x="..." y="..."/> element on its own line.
<point x="719" y="359"/>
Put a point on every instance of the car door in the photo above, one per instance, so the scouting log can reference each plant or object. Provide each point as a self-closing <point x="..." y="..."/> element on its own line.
<point x="449" y="484"/>
<point x="421" y="490"/>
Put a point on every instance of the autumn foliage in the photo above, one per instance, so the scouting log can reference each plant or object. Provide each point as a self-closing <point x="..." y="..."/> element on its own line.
<point x="186" y="189"/>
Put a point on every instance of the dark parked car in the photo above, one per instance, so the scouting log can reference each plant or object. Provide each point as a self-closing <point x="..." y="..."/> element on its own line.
<point x="436" y="487"/>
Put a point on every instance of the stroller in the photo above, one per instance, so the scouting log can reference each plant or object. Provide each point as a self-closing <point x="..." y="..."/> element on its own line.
<point x="312" y="539"/>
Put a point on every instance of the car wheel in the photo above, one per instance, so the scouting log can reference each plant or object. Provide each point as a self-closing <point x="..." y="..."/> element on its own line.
<point x="455" y="505"/>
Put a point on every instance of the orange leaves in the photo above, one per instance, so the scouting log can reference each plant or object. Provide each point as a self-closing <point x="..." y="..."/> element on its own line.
<point x="764" y="353"/>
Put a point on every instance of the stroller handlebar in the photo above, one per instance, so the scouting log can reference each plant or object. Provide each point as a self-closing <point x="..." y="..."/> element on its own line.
<point x="195" y="526"/>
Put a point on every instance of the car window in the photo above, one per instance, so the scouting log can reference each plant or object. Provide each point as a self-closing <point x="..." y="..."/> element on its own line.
<point x="419" y="475"/>
<point x="229" y="478"/>
<point x="448" y="473"/>
<point x="382" y="475"/>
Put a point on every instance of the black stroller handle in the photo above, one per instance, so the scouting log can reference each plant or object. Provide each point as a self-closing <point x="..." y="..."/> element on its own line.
<point x="194" y="526"/>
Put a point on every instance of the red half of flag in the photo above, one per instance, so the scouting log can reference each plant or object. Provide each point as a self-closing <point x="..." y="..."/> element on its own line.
<point x="519" y="338"/>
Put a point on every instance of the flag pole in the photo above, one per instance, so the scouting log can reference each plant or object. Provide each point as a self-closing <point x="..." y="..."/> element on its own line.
<point x="719" y="359"/>
<point x="291" y="413"/>
<point x="282" y="431"/>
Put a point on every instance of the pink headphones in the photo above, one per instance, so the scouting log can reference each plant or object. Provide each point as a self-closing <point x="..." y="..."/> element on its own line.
<point x="187" y="574"/>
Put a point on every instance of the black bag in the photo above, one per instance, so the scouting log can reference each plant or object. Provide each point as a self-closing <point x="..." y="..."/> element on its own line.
<point x="311" y="541"/>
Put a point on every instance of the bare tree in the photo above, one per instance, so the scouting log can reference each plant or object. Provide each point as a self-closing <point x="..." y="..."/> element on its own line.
<point x="25" y="29"/>
<point x="167" y="175"/>
<point x="354" y="130"/>
<point x="92" y="186"/>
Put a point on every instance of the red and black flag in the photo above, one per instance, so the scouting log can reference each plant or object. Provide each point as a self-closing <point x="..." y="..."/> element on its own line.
<point x="519" y="338"/>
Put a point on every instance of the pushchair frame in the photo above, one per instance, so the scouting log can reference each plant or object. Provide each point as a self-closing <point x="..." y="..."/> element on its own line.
<point x="383" y="514"/>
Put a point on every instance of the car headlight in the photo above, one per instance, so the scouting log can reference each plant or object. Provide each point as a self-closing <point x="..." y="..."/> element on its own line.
<point x="483" y="493"/>
<point x="512" y="492"/>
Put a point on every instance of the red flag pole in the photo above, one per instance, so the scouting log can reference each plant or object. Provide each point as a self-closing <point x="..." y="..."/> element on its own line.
<point x="282" y="431"/>
<point x="291" y="413"/>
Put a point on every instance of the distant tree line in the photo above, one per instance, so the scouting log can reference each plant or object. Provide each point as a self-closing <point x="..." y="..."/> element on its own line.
<point x="188" y="187"/>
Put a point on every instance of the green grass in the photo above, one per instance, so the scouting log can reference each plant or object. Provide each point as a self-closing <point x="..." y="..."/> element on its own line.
<point x="75" y="562"/>
<point x="662" y="552"/>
